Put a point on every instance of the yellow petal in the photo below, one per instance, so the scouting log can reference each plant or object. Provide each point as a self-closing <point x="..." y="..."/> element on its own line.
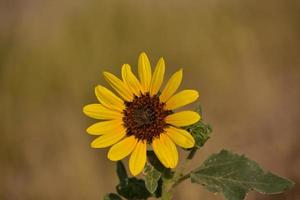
<point x="181" y="99"/>
<point x="98" y="111"/>
<point x="180" y="137"/>
<point x="172" y="85"/>
<point x="144" y="70"/>
<point x="159" y="150"/>
<point x="130" y="80"/>
<point x="173" y="157"/>
<point x="104" y="127"/>
<point x="108" y="139"/>
<point x="122" y="149"/>
<point x="119" y="86"/>
<point x="138" y="158"/>
<point x="158" y="77"/>
<point x="109" y="99"/>
<point x="183" y="118"/>
<point x="166" y="151"/>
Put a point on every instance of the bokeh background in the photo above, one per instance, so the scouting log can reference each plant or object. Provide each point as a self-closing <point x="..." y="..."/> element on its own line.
<point x="243" y="57"/>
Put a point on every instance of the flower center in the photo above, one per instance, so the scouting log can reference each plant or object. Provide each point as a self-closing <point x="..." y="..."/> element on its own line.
<point x="144" y="117"/>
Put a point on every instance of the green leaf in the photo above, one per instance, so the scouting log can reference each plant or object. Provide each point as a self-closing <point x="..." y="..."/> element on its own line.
<point x="151" y="178"/>
<point x="112" y="196"/>
<point x="234" y="175"/>
<point x="133" y="188"/>
<point x="121" y="171"/>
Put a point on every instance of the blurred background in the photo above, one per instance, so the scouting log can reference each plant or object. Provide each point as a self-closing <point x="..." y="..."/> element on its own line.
<point x="243" y="57"/>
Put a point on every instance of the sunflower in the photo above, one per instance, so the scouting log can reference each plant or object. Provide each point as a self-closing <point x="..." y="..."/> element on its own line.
<point x="142" y="116"/>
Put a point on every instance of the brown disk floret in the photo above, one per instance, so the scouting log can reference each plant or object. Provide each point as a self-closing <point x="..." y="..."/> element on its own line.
<point x="144" y="117"/>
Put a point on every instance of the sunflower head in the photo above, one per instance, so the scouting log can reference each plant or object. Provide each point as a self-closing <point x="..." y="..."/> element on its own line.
<point x="142" y="114"/>
<point x="145" y="114"/>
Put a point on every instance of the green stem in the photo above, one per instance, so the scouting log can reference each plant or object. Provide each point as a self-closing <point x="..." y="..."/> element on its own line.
<point x="181" y="179"/>
<point x="170" y="184"/>
<point x="192" y="154"/>
<point x="188" y="159"/>
<point x="167" y="192"/>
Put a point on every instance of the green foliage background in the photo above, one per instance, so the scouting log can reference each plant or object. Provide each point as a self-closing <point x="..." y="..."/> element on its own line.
<point x="243" y="57"/>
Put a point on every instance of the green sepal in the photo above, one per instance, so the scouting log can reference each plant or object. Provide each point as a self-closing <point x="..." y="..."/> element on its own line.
<point x="234" y="175"/>
<point x="112" y="196"/>
<point x="152" y="177"/>
<point x="200" y="131"/>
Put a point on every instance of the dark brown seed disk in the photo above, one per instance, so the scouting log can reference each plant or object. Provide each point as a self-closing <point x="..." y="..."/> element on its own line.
<point x="144" y="117"/>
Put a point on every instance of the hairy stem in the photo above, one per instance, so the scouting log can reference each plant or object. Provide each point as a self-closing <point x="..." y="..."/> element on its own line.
<point x="180" y="172"/>
<point x="179" y="177"/>
<point x="167" y="192"/>
<point x="192" y="154"/>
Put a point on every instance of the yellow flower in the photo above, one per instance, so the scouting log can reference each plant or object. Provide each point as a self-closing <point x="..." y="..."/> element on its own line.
<point x="141" y="116"/>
